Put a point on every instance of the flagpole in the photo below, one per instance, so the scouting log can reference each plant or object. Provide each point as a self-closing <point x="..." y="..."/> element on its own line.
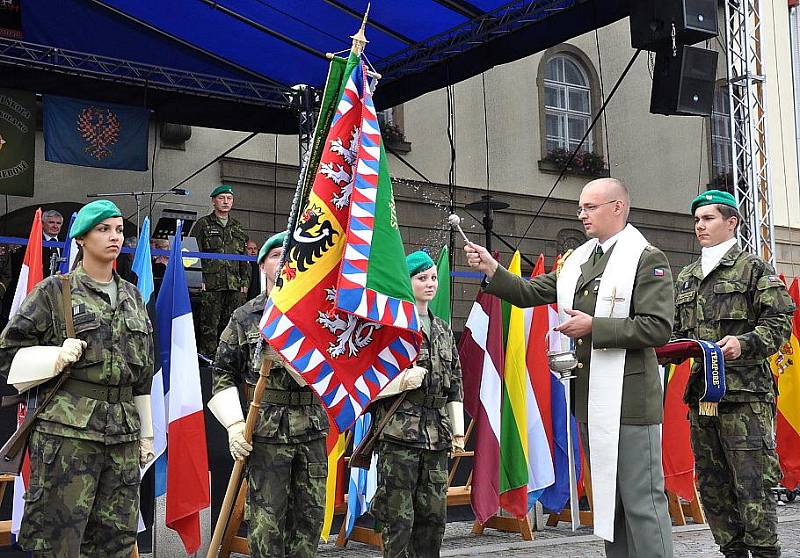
<point x="238" y="466"/>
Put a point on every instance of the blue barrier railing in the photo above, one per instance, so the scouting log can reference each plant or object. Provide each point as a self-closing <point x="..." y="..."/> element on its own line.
<point x="201" y="255"/>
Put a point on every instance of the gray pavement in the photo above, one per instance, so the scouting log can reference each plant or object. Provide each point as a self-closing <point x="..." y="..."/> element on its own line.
<point x="690" y="541"/>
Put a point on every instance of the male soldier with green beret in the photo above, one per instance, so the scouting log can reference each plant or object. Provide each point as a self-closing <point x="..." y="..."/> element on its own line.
<point x="615" y="298"/>
<point x="288" y="463"/>
<point x="735" y="299"/>
<point x="225" y="282"/>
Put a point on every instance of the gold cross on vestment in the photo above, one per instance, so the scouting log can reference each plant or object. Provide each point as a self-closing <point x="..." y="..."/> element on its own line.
<point x="614" y="299"/>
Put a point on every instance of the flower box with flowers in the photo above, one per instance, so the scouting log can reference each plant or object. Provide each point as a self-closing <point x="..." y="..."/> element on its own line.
<point x="585" y="163"/>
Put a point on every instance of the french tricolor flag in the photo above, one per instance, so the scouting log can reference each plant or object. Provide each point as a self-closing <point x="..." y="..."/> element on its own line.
<point x="188" y="490"/>
<point x="29" y="275"/>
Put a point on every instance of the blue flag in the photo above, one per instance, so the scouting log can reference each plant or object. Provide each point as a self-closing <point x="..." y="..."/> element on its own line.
<point x="362" y="483"/>
<point x="143" y="263"/>
<point x="92" y="134"/>
<point x="70" y="249"/>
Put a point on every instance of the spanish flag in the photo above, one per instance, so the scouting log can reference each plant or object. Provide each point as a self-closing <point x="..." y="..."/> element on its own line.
<point x="786" y="368"/>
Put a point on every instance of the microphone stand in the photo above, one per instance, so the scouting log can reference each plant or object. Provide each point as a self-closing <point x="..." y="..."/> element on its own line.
<point x="137" y="195"/>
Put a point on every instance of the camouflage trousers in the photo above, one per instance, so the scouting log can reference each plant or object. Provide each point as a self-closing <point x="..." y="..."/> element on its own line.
<point x="82" y="500"/>
<point x="286" y="498"/>
<point x="411" y="500"/>
<point x="737" y="467"/>
<point x="216" y="308"/>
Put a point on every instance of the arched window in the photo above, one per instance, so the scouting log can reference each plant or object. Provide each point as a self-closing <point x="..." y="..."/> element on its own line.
<point x="567" y="103"/>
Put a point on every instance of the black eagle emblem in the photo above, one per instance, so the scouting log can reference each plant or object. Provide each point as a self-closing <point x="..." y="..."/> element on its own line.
<point x="312" y="238"/>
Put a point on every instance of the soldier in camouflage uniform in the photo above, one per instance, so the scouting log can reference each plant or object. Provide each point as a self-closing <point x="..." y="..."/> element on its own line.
<point x="288" y="464"/>
<point x="225" y="282"/>
<point x="411" y="500"/>
<point x="734" y="299"/>
<point x="88" y="443"/>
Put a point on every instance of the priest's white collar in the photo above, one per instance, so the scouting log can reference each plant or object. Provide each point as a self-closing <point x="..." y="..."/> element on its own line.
<point x="606" y="246"/>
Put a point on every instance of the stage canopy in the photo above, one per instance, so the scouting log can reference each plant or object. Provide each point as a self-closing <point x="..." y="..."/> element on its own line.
<point x="232" y="63"/>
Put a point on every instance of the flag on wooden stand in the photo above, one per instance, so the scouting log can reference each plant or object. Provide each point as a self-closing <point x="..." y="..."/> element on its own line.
<point x="30" y="274"/>
<point x="481" y="353"/>
<point x="786" y="367"/>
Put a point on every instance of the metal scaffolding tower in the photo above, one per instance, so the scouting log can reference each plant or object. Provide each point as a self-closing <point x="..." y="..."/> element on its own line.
<point x="746" y="80"/>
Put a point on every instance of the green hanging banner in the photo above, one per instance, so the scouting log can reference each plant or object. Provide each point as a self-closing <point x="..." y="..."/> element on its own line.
<point x="17" y="142"/>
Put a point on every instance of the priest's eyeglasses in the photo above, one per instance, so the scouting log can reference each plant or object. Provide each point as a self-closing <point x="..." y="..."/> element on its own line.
<point x="589" y="209"/>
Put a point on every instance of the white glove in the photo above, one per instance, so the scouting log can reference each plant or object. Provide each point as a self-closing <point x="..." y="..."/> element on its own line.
<point x="71" y="351"/>
<point x="455" y="410"/>
<point x="226" y="408"/>
<point x="146" y="451"/>
<point x="240" y="448"/>
<point x="408" y="379"/>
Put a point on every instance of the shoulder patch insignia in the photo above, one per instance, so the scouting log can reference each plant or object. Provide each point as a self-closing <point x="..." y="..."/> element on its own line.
<point x="658" y="272"/>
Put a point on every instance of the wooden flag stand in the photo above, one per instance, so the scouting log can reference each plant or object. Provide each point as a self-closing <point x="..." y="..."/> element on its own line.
<point x="5" y="526"/>
<point x="679" y="509"/>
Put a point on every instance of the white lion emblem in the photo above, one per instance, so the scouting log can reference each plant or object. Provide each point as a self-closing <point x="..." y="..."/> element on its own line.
<point x="342" y="175"/>
<point x="352" y="333"/>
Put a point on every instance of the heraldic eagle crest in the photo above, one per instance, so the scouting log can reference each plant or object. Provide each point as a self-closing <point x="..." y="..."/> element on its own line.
<point x="312" y="237"/>
<point x="100" y="128"/>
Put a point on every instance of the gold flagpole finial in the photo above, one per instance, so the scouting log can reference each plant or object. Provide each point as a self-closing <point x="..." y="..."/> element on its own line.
<point x="360" y="39"/>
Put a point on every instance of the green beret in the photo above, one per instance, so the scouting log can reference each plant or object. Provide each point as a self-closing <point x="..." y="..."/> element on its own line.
<point x="714" y="197"/>
<point x="221" y="189"/>
<point x="418" y="261"/>
<point x="91" y="214"/>
<point x="275" y="241"/>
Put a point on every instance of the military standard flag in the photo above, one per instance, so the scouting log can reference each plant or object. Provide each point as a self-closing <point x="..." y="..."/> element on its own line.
<point x="343" y="313"/>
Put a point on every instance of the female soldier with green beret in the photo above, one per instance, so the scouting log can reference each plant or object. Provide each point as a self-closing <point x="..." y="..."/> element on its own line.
<point x="411" y="500"/>
<point x="88" y="443"/>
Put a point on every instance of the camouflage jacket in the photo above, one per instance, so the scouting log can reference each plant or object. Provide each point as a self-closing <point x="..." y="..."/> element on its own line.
<point x="212" y="236"/>
<point x="235" y="364"/>
<point x="427" y="426"/>
<point x="119" y="352"/>
<point x="742" y="296"/>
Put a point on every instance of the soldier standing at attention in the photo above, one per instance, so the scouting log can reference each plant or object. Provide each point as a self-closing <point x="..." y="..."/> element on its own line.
<point x="88" y="443"/>
<point x="411" y="500"/>
<point x="615" y="300"/>
<point x="225" y="282"/>
<point x="288" y="463"/>
<point x="735" y="299"/>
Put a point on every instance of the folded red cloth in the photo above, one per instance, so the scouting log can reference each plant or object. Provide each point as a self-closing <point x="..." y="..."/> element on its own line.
<point x="679" y="349"/>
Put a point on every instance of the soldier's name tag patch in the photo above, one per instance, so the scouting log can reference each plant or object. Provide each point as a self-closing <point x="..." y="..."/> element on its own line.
<point x="658" y="272"/>
<point x="78" y="309"/>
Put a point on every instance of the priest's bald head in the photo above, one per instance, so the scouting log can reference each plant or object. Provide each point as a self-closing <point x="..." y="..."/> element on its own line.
<point x="603" y="208"/>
